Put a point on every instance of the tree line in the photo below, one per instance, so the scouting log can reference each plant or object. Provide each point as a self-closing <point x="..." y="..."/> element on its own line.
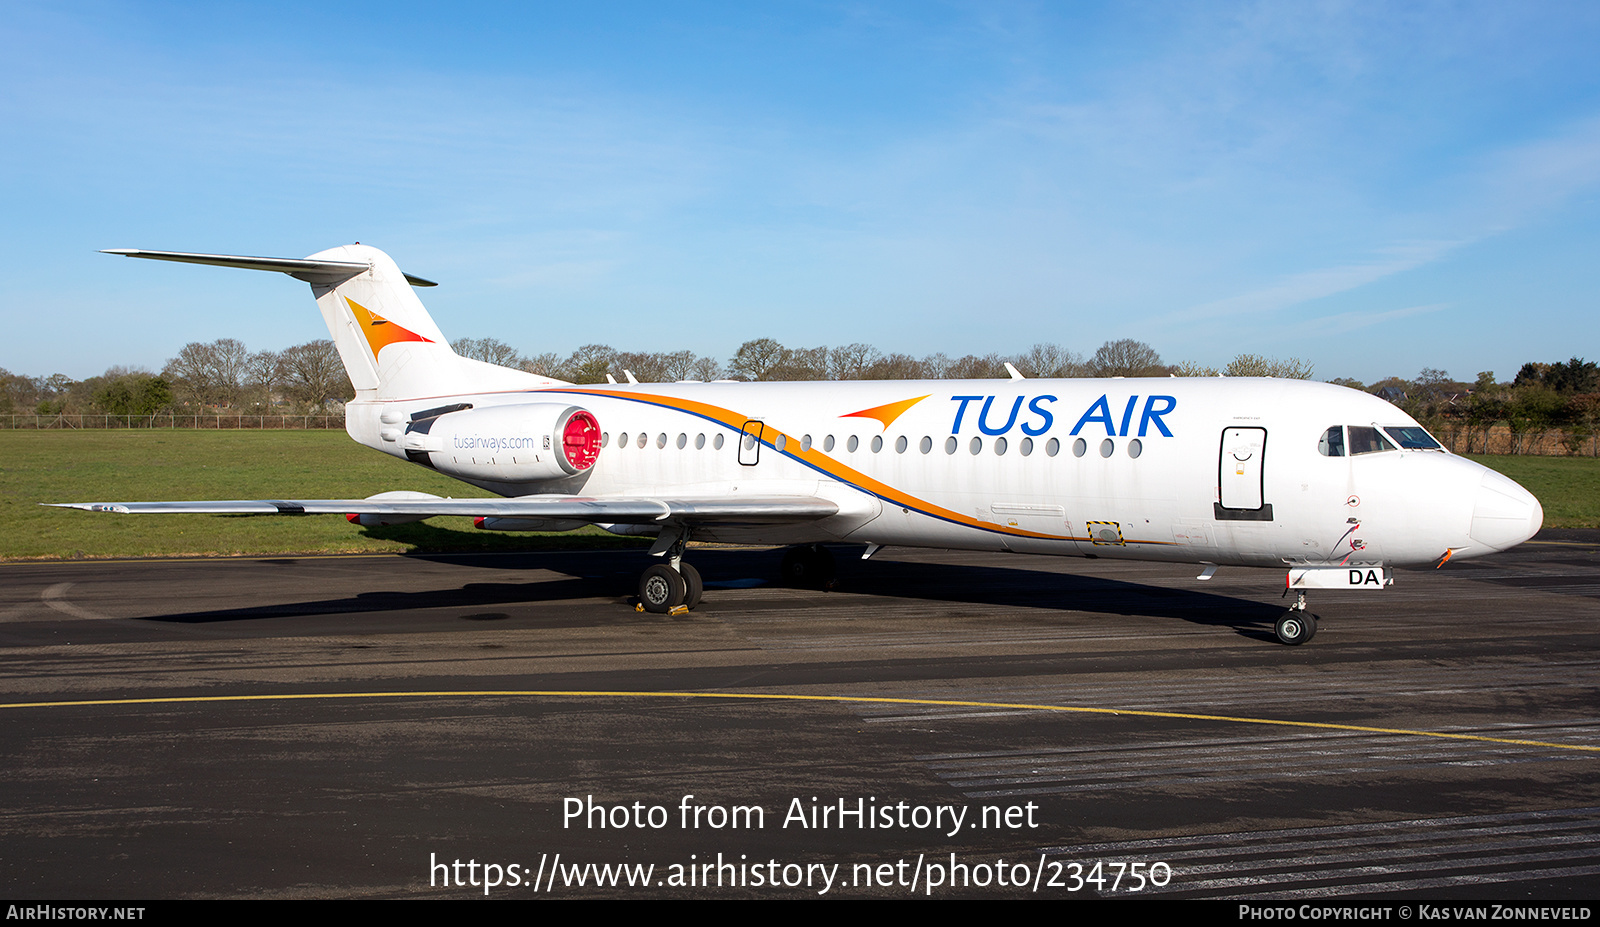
<point x="309" y="377"/>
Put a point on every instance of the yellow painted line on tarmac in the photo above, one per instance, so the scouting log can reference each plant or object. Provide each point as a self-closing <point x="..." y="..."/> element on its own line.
<point x="852" y="699"/>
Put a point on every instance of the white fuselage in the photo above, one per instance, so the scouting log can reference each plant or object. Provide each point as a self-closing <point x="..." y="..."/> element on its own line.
<point x="1211" y="470"/>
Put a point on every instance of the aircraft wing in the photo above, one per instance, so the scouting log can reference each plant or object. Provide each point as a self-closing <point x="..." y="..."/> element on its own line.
<point x="625" y="510"/>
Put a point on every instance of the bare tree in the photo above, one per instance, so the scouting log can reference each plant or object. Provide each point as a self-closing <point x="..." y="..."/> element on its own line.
<point x="1126" y="358"/>
<point x="707" y="369"/>
<point x="678" y="365"/>
<point x="488" y="350"/>
<point x="755" y="359"/>
<point x="1195" y="369"/>
<point x="801" y="364"/>
<point x="544" y="365"/>
<point x="209" y="374"/>
<point x="973" y="367"/>
<point x="1256" y="365"/>
<point x="897" y="367"/>
<point x="312" y="374"/>
<point x="851" y="361"/>
<point x="589" y="364"/>
<point x="648" y="368"/>
<point x="1049" y="360"/>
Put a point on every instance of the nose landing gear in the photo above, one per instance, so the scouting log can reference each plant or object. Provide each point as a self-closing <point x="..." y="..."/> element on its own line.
<point x="1297" y="625"/>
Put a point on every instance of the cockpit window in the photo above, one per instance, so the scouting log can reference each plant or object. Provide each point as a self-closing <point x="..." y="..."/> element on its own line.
<point x="1364" y="440"/>
<point x="1332" y="443"/>
<point x="1412" y="438"/>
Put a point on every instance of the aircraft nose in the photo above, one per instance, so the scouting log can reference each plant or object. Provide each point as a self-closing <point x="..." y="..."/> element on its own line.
<point x="1503" y="513"/>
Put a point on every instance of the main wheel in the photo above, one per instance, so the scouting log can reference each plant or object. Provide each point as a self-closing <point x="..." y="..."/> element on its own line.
<point x="796" y="569"/>
<point x="693" y="588"/>
<point x="661" y="589"/>
<point x="809" y="567"/>
<point x="1296" y="627"/>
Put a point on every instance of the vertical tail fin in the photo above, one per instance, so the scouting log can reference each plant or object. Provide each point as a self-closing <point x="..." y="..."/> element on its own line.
<point x="390" y="346"/>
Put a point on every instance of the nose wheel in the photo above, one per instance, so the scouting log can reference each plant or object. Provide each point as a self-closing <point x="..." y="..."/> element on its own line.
<point x="1297" y="625"/>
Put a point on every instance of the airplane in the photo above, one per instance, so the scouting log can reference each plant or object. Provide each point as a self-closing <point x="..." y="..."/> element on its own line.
<point x="1334" y="486"/>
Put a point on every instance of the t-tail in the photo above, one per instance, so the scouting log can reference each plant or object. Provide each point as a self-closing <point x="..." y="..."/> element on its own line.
<point x="390" y="346"/>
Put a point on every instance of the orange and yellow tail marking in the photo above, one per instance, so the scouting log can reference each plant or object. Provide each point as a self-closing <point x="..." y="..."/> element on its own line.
<point x="380" y="331"/>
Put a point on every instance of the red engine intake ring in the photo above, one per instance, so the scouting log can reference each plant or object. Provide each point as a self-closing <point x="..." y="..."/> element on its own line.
<point x="580" y="440"/>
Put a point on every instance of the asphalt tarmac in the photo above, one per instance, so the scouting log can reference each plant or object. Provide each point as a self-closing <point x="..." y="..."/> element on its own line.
<point x="939" y="724"/>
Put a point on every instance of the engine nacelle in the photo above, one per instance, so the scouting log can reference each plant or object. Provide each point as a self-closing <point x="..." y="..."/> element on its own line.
<point x="523" y="443"/>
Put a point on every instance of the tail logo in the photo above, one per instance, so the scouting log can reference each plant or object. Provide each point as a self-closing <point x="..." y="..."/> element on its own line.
<point x="381" y="332"/>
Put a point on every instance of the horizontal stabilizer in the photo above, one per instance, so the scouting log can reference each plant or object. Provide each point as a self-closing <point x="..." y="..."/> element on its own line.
<point x="324" y="272"/>
<point x="712" y="510"/>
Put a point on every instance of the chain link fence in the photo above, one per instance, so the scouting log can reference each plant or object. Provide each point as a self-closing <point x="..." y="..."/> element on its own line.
<point x="203" y="420"/>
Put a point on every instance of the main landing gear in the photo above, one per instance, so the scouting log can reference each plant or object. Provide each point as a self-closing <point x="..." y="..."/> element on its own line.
<point x="662" y="588"/>
<point x="808" y="567"/>
<point x="1297" y="625"/>
<point x="666" y="587"/>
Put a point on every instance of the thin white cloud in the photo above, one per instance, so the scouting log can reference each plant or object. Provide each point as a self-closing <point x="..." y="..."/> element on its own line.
<point x="1346" y="322"/>
<point x="1316" y="284"/>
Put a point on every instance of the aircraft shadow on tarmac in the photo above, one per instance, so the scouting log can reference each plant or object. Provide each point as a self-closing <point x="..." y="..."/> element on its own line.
<point x="613" y="575"/>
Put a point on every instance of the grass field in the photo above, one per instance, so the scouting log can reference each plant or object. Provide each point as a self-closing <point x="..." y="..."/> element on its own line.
<point x="116" y="466"/>
<point x="1567" y="487"/>
<point x="105" y="466"/>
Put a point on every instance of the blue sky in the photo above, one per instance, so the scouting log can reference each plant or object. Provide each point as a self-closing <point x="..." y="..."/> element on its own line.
<point x="1376" y="187"/>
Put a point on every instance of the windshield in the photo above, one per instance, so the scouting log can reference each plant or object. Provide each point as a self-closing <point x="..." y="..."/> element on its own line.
<point x="1365" y="440"/>
<point x="1412" y="438"/>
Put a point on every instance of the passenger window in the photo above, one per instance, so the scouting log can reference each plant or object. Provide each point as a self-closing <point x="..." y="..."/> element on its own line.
<point x="1332" y="443"/>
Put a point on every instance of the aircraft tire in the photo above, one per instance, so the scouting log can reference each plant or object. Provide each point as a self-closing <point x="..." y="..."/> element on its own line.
<point x="693" y="586"/>
<point x="1295" y="627"/>
<point x="807" y="567"/>
<point x="661" y="589"/>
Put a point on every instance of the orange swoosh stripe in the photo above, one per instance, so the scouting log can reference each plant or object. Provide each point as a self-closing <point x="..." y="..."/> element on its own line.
<point x="821" y="462"/>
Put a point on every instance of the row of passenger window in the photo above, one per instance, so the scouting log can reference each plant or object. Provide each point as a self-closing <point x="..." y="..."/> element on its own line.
<point x="975" y="446"/>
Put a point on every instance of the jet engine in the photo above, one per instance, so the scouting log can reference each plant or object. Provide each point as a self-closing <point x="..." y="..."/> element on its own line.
<point x="524" y="443"/>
